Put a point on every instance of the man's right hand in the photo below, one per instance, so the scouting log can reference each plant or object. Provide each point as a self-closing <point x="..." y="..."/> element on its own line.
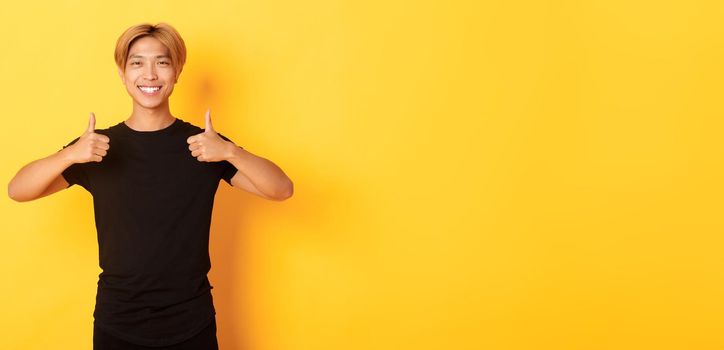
<point x="91" y="146"/>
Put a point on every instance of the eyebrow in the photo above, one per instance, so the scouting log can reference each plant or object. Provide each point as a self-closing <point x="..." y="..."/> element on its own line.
<point x="141" y="56"/>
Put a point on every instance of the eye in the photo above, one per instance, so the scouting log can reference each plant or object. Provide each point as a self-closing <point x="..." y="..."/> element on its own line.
<point x="166" y="63"/>
<point x="135" y="62"/>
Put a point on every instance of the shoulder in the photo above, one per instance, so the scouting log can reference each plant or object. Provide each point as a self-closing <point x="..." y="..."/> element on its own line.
<point x="113" y="129"/>
<point x="190" y="126"/>
<point x="187" y="129"/>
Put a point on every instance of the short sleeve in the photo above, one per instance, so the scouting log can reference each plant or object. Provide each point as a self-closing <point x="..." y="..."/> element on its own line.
<point x="229" y="169"/>
<point x="76" y="173"/>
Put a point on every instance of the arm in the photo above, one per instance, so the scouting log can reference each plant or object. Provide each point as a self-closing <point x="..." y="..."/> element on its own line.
<point x="44" y="176"/>
<point x="258" y="175"/>
<point x="40" y="178"/>
<point x="254" y="174"/>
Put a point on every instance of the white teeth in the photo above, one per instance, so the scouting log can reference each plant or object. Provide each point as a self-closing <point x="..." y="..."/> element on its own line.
<point x="149" y="89"/>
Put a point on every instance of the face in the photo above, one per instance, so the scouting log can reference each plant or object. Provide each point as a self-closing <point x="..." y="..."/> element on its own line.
<point x="150" y="75"/>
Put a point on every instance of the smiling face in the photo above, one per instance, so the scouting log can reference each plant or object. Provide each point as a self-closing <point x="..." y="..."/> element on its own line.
<point x="149" y="74"/>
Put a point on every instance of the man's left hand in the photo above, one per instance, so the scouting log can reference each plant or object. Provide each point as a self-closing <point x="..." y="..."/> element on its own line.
<point x="208" y="146"/>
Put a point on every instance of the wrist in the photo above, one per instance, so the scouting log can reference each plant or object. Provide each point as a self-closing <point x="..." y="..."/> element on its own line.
<point x="65" y="156"/>
<point x="232" y="151"/>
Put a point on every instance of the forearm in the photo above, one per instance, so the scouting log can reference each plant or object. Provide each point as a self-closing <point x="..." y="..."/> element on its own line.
<point x="266" y="176"/>
<point x="32" y="179"/>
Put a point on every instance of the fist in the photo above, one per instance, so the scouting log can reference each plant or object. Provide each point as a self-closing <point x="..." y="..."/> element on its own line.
<point x="90" y="147"/>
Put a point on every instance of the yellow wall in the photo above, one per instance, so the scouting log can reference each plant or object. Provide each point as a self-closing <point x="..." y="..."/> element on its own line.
<point x="468" y="175"/>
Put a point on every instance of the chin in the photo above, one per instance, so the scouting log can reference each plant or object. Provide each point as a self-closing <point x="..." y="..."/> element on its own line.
<point x="149" y="104"/>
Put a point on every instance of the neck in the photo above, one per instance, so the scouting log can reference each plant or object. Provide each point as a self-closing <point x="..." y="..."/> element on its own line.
<point x="150" y="119"/>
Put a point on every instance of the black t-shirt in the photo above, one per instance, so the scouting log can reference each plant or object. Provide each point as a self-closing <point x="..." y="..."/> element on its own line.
<point x="153" y="202"/>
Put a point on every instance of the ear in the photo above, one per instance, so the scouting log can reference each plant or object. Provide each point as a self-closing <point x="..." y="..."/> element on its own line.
<point x="120" y="74"/>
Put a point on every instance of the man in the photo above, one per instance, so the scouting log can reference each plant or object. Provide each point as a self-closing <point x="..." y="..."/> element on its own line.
<point x="153" y="178"/>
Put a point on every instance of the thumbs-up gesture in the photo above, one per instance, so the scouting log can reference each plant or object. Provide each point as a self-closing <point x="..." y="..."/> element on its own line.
<point x="91" y="146"/>
<point x="208" y="146"/>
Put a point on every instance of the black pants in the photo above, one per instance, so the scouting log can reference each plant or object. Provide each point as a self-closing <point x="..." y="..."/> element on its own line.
<point x="205" y="340"/>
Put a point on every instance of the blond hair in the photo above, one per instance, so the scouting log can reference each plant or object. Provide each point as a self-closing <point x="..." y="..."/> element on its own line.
<point x="163" y="32"/>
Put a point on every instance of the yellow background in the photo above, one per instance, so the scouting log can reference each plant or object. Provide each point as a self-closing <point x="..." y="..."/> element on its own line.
<point x="468" y="175"/>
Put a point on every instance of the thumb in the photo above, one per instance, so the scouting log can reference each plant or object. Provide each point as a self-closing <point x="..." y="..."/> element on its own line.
<point x="91" y="123"/>
<point x="209" y="127"/>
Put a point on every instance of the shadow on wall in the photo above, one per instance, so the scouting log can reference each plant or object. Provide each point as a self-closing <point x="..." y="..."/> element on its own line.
<point x="214" y="83"/>
<point x="218" y="81"/>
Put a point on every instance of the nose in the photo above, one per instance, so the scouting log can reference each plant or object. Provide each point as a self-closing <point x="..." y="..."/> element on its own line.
<point x="149" y="72"/>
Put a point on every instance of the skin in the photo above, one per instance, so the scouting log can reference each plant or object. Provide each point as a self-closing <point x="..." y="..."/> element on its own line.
<point x="149" y="65"/>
